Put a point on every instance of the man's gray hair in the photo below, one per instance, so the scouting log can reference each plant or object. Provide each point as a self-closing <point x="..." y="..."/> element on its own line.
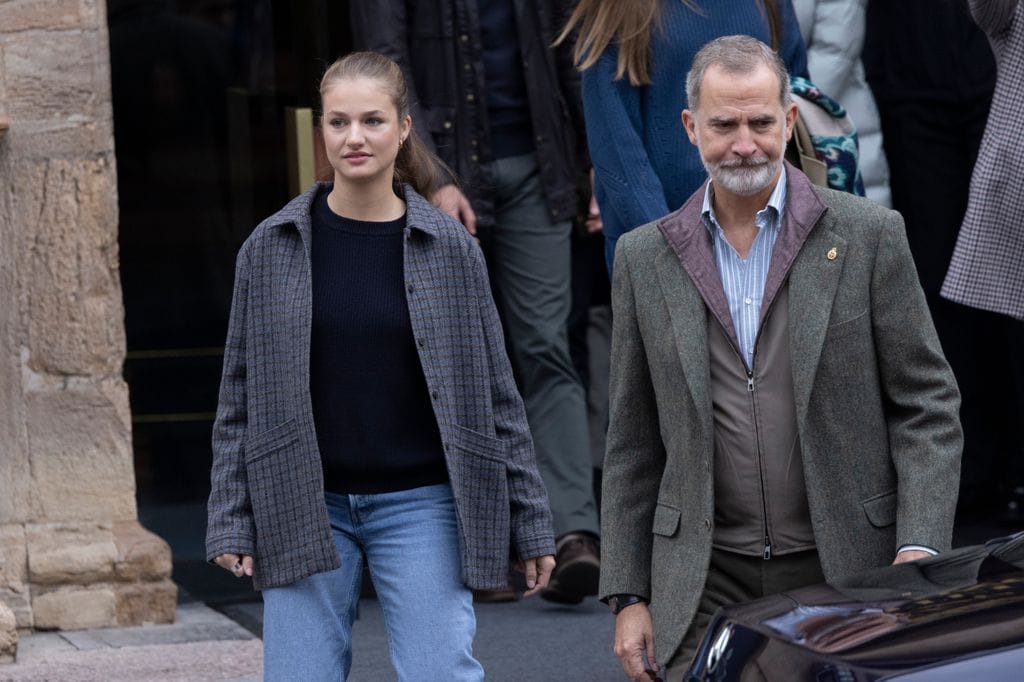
<point x="740" y="55"/>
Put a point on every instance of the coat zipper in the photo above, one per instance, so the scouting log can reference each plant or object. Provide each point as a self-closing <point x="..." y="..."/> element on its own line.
<point x="767" y="551"/>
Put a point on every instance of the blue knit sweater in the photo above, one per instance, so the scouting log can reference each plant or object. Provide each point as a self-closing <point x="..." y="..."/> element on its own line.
<point x="644" y="165"/>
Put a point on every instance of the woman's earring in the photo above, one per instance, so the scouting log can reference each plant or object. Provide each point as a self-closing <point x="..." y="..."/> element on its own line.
<point x="401" y="141"/>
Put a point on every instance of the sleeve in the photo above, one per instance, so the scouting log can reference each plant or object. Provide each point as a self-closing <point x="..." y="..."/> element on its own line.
<point x="995" y="17"/>
<point x="531" y="522"/>
<point x="791" y="45"/>
<point x="634" y="454"/>
<point x="569" y="77"/>
<point x="834" y="50"/>
<point x="920" y="395"/>
<point x="230" y="525"/>
<point x="629" y="189"/>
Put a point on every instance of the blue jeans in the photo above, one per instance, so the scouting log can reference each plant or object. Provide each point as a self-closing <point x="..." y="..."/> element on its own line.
<point x="410" y="541"/>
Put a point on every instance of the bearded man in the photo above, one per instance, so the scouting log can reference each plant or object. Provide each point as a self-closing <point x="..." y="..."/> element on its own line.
<point x="782" y="412"/>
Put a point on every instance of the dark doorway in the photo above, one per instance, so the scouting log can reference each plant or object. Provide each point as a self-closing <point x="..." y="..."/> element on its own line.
<point x="200" y="91"/>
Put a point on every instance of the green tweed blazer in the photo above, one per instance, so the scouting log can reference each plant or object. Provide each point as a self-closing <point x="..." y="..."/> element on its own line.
<point x="876" y="403"/>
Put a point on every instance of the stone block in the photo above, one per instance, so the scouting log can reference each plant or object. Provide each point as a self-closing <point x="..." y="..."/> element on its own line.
<point x="141" y="554"/>
<point x="8" y="635"/>
<point x="72" y="284"/>
<point x="146" y="603"/>
<point x="75" y="608"/>
<point x="69" y="554"/>
<point x="57" y="95"/>
<point x="38" y="14"/>
<point x="14" y="588"/>
<point x="81" y="450"/>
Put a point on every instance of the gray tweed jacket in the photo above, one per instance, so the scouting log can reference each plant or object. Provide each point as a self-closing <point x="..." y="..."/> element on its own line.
<point x="987" y="270"/>
<point x="876" y="402"/>
<point x="267" y="483"/>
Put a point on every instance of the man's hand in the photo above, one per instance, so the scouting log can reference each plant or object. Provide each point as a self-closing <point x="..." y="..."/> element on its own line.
<point x="453" y="202"/>
<point x="238" y="565"/>
<point x="538" y="573"/>
<point x="910" y="555"/>
<point x="634" y="642"/>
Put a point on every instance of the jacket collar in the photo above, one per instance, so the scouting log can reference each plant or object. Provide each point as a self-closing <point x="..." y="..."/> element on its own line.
<point x="421" y="215"/>
<point x="686" y="234"/>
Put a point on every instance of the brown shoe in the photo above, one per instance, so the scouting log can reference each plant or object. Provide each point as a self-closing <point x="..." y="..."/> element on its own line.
<point x="495" y="596"/>
<point x="577" y="569"/>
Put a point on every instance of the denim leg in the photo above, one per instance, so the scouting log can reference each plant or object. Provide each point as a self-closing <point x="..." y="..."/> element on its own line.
<point x="307" y="625"/>
<point x="411" y="541"/>
<point x="530" y="264"/>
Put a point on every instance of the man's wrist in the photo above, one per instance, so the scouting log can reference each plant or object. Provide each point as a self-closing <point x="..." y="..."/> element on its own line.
<point x="617" y="602"/>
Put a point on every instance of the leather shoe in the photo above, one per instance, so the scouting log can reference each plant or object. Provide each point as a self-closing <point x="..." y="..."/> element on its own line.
<point x="577" y="569"/>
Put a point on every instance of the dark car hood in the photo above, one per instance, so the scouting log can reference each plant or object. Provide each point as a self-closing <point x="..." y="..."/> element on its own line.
<point x="886" y="621"/>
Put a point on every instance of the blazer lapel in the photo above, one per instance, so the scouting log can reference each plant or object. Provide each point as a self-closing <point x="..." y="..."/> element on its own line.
<point x="813" y="283"/>
<point x="689" y="319"/>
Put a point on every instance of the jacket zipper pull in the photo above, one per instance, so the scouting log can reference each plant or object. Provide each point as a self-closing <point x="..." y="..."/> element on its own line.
<point x="750" y="381"/>
<point x="767" y="549"/>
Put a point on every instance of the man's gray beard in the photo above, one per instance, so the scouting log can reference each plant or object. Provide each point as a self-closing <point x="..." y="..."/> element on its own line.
<point x="745" y="177"/>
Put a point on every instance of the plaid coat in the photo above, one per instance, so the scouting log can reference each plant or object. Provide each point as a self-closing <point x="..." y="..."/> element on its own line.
<point x="267" y="483"/>
<point x="987" y="270"/>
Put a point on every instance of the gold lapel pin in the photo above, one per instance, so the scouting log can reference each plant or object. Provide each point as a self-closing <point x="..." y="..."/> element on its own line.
<point x="832" y="254"/>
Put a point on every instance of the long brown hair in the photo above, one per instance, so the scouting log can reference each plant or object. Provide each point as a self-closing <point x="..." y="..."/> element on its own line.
<point x="629" y="23"/>
<point x="415" y="163"/>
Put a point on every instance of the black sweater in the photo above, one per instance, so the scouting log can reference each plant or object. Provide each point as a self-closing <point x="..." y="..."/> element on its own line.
<point x="375" y="425"/>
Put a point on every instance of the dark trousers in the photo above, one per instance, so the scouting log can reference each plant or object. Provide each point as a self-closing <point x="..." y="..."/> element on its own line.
<point x="734" y="578"/>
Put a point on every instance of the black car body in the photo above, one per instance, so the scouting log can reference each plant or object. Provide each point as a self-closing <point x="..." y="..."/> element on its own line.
<point x="956" y="616"/>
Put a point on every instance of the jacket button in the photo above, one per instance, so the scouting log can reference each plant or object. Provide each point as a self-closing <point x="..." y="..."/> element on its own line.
<point x="464" y="38"/>
<point x="470" y="97"/>
<point x="447" y="125"/>
<point x="410" y="288"/>
<point x="434" y="395"/>
<point x="422" y="342"/>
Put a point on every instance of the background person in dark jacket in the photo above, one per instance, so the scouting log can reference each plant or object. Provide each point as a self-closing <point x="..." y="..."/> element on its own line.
<point x="933" y="74"/>
<point x="368" y="411"/>
<point x="502" y="109"/>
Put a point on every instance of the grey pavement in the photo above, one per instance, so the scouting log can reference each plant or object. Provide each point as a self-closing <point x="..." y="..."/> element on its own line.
<point x="201" y="645"/>
<point x="529" y="640"/>
<point x="526" y="640"/>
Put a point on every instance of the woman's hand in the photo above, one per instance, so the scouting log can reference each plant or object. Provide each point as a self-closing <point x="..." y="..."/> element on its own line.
<point x="538" y="572"/>
<point x="238" y="565"/>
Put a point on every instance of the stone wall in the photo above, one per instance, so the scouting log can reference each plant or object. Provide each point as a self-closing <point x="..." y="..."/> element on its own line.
<point x="72" y="553"/>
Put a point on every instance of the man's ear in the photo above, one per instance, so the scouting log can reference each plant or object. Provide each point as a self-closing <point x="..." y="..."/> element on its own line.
<point x="791" y="114"/>
<point x="690" y="125"/>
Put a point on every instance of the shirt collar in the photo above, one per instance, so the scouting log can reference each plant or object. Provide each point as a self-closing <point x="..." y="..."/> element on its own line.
<point x="776" y="202"/>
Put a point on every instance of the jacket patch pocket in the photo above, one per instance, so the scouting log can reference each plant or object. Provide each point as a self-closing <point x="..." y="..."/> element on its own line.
<point x="476" y="443"/>
<point x="286" y="493"/>
<point x="479" y="481"/>
<point x="666" y="520"/>
<point x="881" y="509"/>
<point x="271" y="440"/>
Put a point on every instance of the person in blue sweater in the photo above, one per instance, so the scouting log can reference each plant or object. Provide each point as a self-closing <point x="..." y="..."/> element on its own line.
<point x="634" y="57"/>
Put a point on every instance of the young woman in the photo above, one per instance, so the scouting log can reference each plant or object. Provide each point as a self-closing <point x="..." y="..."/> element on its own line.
<point x="634" y="57"/>
<point x="367" y="409"/>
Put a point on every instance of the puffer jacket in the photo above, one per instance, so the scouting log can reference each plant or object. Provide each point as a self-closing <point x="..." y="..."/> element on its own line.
<point x="833" y="31"/>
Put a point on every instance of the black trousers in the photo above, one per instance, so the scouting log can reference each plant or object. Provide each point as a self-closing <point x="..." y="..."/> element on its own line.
<point x="734" y="578"/>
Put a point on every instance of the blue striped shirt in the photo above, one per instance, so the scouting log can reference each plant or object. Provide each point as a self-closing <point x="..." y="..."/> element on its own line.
<point x="743" y="280"/>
